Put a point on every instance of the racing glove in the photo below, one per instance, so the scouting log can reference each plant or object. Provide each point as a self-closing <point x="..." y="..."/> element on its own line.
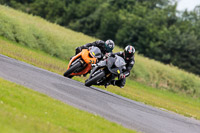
<point x="107" y="55"/>
<point x="122" y="76"/>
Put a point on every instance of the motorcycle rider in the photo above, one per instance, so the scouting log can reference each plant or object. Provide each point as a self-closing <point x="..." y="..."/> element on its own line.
<point x="128" y="56"/>
<point x="105" y="47"/>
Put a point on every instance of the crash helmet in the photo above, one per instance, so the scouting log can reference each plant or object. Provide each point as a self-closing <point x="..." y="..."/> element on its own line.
<point x="109" y="44"/>
<point x="129" y="52"/>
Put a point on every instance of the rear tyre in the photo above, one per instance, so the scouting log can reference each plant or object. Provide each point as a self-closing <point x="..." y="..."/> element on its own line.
<point x="71" y="70"/>
<point x="94" y="79"/>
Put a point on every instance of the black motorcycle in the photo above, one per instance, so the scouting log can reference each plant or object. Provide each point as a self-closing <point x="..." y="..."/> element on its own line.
<point x="106" y="70"/>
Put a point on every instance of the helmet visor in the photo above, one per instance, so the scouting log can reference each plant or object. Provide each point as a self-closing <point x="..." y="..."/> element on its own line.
<point x="108" y="49"/>
<point x="128" y="55"/>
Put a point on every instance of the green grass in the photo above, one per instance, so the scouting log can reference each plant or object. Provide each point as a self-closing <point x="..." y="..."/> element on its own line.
<point x="34" y="57"/>
<point x="36" y="33"/>
<point x="178" y="103"/>
<point x="24" y="110"/>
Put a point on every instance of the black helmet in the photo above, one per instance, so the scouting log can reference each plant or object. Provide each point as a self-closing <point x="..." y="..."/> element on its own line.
<point x="129" y="51"/>
<point x="109" y="44"/>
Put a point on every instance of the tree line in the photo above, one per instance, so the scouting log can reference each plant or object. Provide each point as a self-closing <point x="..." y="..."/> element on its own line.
<point x="154" y="27"/>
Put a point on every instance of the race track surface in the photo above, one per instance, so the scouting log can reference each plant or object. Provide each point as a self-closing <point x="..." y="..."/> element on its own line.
<point x="131" y="114"/>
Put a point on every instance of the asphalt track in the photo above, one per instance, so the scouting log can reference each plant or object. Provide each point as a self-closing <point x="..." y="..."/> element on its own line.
<point x="129" y="113"/>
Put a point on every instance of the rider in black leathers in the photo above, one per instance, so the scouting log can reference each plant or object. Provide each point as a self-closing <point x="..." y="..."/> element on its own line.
<point x="105" y="47"/>
<point x="128" y="56"/>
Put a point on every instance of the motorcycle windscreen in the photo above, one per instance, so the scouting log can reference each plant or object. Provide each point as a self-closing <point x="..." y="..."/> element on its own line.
<point x="95" y="52"/>
<point x="119" y="61"/>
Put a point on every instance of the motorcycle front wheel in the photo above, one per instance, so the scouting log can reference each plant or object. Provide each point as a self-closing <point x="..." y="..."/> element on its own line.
<point x="94" y="79"/>
<point x="72" y="69"/>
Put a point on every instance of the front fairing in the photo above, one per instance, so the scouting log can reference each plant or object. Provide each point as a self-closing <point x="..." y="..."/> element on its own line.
<point x="87" y="59"/>
<point x="95" y="52"/>
<point x="116" y="71"/>
<point x="116" y="65"/>
<point x="102" y="63"/>
<point x="97" y="66"/>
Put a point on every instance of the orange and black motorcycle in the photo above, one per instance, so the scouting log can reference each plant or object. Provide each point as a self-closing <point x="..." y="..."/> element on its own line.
<point x="80" y="64"/>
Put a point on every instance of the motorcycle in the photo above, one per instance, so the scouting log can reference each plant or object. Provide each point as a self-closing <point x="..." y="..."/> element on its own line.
<point x="80" y="64"/>
<point x="106" y="70"/>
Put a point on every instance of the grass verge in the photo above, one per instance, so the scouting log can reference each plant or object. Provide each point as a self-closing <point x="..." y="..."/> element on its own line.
<point x="24" y="110"/>
<point x="181" y="104"/>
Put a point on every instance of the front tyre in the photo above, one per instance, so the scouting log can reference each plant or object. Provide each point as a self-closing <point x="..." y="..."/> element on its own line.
<point x="94" y="79"/>
<point x="72" y="69"/>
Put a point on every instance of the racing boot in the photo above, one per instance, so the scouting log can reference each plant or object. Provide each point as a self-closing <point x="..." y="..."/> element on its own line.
<point x="106" y="84"/>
